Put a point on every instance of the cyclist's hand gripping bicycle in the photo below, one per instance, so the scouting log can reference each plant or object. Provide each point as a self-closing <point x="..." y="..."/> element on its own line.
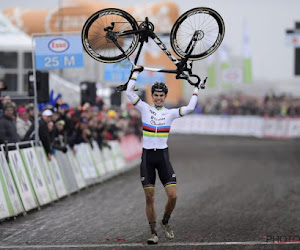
<point x="112" y="35"/>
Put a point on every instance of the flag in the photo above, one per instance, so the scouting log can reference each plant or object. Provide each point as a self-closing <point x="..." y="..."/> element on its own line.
<point x="247" y="65"/>
<point x="211" y="71"/>
<point x="224" y="66"/>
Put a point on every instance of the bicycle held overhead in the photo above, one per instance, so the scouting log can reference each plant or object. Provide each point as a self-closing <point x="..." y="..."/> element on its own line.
<point x="112" y="35"/>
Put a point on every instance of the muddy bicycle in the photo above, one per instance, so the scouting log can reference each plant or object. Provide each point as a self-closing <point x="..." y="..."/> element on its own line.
<point x="112" y="35"/>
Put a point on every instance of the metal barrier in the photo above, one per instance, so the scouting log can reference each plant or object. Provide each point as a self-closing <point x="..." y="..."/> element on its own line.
<point x="29" y="180"/>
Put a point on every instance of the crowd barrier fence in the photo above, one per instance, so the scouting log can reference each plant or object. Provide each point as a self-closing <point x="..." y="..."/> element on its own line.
<point x="29" y="180"/>
<point x="261" y="127"/>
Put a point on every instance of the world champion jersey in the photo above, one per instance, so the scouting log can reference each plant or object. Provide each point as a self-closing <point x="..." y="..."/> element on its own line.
<point x="157" y="121"/>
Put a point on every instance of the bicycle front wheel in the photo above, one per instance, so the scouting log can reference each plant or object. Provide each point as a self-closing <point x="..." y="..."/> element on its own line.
<point x="104" y="29"/>
<point x="209" y="28"/>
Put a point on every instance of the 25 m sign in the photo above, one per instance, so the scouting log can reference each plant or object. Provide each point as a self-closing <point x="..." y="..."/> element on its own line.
<point x="58" y="52"/>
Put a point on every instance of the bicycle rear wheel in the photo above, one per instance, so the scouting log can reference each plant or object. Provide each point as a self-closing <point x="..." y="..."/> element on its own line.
<point x="101" y="27"/>
<point x="210" y="29"/>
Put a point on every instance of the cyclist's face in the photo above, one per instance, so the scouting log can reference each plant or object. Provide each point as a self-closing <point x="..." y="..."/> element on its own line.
<point x="159" y="98"/>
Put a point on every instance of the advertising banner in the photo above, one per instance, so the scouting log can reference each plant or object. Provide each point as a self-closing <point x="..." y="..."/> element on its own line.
<point x="13" y="201"/>
<point x="76" y="169"/>
<point x="97" y="158"/>
<point x="57" y="178"/>
<point x="35" y="173"/>
<point x="54" y="52"/>
<point x="85" y="161"/>
<point x="108" y="158"/>
<point x="117" y="154"/>
<point x="46" y="172"/>
<point x="66" y="171"/>
<point x="22" y="180"/>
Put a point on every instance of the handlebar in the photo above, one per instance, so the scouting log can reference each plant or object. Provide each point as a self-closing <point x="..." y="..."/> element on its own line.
<point x="192" y="82"/>
<point x="188" y="78"/>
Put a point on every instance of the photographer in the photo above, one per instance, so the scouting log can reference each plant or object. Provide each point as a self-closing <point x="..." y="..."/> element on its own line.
<point x="59" y="139"/>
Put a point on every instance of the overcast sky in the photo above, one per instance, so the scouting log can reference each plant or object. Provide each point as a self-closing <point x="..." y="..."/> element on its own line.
<point x="267" y="22"/>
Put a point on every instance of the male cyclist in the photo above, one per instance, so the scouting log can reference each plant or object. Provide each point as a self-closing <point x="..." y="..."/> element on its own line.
<point x="157" y="122"/>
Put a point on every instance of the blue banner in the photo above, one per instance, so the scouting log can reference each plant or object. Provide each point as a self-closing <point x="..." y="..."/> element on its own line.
<point x="54" y="52"/>
<point x="119" y="72"/>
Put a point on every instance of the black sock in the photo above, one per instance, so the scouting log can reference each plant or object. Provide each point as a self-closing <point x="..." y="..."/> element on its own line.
<point x="153" y="227"/>
<point x="165" y="219"/>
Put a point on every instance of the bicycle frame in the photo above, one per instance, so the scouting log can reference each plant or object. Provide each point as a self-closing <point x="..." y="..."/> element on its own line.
<point x="182" y="71"/>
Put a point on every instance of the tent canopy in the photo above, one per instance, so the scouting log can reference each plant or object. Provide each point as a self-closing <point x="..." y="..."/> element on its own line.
<point x="12" y="39"/>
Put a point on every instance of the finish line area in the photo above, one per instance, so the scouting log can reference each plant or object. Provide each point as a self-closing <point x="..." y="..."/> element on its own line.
<point x="233" y="193"/>
<point x="134" y="245"/>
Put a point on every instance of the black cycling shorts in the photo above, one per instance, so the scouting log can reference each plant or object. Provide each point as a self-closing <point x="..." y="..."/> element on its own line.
<point x="156" y="159"/>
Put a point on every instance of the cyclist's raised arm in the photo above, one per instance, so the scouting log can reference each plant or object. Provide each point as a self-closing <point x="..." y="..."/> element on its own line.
<point x="132" y="96"/>
<point x="192" y="104"/>
<point x="179" y="112"/>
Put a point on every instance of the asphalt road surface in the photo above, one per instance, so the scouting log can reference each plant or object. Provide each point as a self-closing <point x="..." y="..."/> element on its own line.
<point x="233" y="193"/>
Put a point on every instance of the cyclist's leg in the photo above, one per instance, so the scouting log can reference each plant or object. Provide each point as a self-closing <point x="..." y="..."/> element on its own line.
<point x="150" y="209"/>
<point x="147" y="171"/>
<point x="171" y="191"/>
<point x="168" y="179"/>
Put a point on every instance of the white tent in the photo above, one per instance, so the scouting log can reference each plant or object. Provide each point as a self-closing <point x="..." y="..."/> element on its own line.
<point x="11" y="38"/>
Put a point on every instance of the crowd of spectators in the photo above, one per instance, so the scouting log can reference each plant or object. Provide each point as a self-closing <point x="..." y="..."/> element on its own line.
<point x="270" y="105"/>
<point x="61" y="125"/>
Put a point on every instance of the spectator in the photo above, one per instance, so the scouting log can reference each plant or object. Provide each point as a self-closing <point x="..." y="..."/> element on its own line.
<point x="66" y="116"/>
<point x="59" y="136"/>
<point x="2" y="87"/>
<point x="81" y="133"/>
<point x="44" y="133"/>
<point x="22" y="123"/>
<point x="8" y="130"/>
<point x="30" y="111"/>
<point x="112" y="128"/>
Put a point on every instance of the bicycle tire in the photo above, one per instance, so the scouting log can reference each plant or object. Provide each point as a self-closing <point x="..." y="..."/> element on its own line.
<point x="99" y="46"/>
<point x="208" y="22"/>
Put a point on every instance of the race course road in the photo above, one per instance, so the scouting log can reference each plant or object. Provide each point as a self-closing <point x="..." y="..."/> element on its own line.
<point x="233" y="193"/>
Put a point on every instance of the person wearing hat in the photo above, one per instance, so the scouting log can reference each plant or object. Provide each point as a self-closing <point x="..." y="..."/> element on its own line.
<point x="157" y="122"/>
<point x="44" y="134"/>
<point x="8" y="130"/>
<point x="30" y="111"/>
<point x="59" y="139"/>
<point x="22" y="122"/>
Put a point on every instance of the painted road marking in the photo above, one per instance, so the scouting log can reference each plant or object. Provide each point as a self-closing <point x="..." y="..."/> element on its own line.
<point x="245" y="243"/>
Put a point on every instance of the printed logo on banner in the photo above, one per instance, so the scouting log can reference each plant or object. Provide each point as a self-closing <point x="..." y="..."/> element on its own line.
<point x="7" y="178"/>
<point x="58" y="179"/>
<point x="23" y="184"/>
<point x="58" y="45"/>
<point x="58" y="52"/>
<point x="11" y="188"/>
<point x="44" y="163"/>
<point x="37" y="180"/>
<point x="21" y="179"/>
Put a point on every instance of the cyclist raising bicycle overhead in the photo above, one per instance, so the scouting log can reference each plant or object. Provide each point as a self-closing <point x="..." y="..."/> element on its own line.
<point x="157" y="122"/>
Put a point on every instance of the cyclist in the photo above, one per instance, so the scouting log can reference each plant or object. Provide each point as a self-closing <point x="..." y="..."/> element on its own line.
<point x="157" y="122"/>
